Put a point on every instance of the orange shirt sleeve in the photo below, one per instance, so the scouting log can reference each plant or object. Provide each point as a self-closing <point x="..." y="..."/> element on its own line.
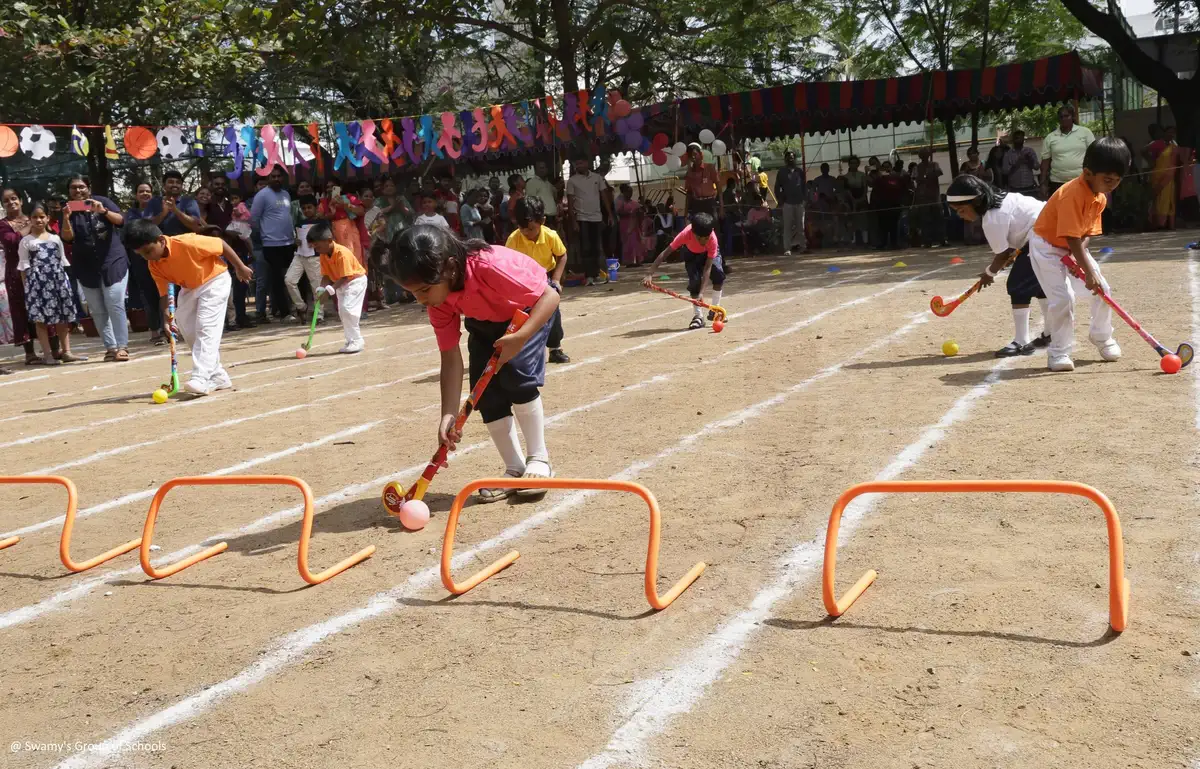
<point x="341" y="264"/>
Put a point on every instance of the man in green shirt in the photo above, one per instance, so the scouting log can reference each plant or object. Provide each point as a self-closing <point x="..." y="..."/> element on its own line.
<point x="1062" y="152"/>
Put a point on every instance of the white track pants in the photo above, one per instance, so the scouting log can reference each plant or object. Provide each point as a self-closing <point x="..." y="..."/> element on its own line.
<point x="200" y="315"/>
<point x="1060" y="288"/>
<point x="303" y="265"/>
<point x="350" y="302"/>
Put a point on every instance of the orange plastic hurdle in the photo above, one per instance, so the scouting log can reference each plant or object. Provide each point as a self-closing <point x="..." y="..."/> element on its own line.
<point x="1118" y="586"/>
<point x="656" y="601"/>
<point x="64" y="541"/>
<point x="248" y="480"/>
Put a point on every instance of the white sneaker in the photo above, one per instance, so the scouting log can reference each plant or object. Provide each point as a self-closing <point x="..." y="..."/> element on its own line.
<point x="1109" y="350"/>
<point x="787" y="253"/>
<point x="220" y="382"/>
<point x="1062" y="363"/>
<point x="195" y="387"/>
<point x="353" y="347"/>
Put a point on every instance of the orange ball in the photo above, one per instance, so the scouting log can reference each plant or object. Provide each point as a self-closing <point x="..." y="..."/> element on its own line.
<point x="718" y="326"/>
<point x="1170" y="363"/>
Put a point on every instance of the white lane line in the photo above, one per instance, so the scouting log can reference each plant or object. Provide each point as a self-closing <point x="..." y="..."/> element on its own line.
<point x="292" y="647"/>
<point x="10" y="382"/>
<point x="1194" y="286"/>
<point x="656" y="701"/>
<point x="32" y="611"/>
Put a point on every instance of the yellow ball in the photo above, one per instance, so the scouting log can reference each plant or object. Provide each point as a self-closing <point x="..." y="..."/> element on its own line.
<point x="950" y="348"/>
<point x="160" y="396"/>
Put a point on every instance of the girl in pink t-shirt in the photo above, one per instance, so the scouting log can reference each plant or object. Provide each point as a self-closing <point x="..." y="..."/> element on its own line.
<point x="468" y="282"/>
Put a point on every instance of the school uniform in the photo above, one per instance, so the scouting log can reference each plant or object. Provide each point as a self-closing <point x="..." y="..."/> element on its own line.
<point x="546" y="251"/>
<point x="1072" y="211"/>
<point x="498" y="282"/>
<point x="338" y="264"/>
<point x="695" y="255"/>
<point x="194" y="263"/>
<point x="1008" y="227"/>
<point x="305" y="262"/>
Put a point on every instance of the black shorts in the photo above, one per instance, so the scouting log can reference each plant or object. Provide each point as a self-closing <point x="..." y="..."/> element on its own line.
<point x="1022" y="282"/>
<point x="695" y="271"/>
<point x="517" y="381"/>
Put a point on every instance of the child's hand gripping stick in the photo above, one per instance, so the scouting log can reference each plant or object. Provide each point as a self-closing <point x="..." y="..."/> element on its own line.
<point x="394" y="495"/>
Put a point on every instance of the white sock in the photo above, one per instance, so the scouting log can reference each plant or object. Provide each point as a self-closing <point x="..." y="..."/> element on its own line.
<point x="533" y="426"/>
<point x="697" y="312"/>
<point x="716" y="297"/>
<point x="1045" y="305"/>
<point x="1021" y="321"/>
<point x="504" y="435"/>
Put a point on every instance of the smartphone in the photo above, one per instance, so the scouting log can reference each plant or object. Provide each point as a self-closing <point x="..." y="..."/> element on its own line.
<point x="76" y="206"/>
<point x="335" y="192"/>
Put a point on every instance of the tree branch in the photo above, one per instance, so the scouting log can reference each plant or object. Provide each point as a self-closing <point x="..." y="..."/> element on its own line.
<point x="1106" y="26"/>
<point x="450" y="19"/>
<point x="881" y="5"/>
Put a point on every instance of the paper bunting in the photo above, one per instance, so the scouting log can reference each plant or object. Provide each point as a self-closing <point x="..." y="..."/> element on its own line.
<point x="390" y="141"/>
<point x="171" y="144"/>
<point x="110" y="144"/>
<point x="270" y="144"/>
<point x="79" y="142"/>
<point x="408" y="135"/>
<point x="371" y="151"/>
<point x="599" y="107"/>
<point x="37" y="142"/>
<point x="450" y="135"/>
<point x="315" y="133"/>
<point x="232" y="147"/>
<point x="197" y="142"/>
<point x="345" y="147"/>
<point x="428" y="138"/>
<point x="516" y="127"/>
<point x="293" y="152"/>
<point x="9" y="143"/>
<point x="254" y="150"/>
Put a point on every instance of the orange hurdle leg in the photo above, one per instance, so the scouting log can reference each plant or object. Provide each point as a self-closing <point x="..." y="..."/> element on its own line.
<point x="64" y="542"/>
<point x="658" y="602"/>
<point x="1118" y="585"/>
<point x="250" y="480"/>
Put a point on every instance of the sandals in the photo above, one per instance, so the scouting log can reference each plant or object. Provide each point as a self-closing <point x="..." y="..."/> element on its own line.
<point x="535" y="468"/>
<point x="697" y="322"/>
<point x="110" y="356"/>
<point x="160" y="340"/>
<point x="70" y="357"/>
<point x="35" y="360"/>
<point x="122" y="355"/>
<point x="487" y="496"/>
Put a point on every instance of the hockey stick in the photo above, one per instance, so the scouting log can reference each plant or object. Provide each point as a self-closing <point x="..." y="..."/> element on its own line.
<point x="718" y="310"/>
<point x="939" y="307"/>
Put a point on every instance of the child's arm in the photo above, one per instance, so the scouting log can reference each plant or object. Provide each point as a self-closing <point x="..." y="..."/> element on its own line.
<point x="452" y="382"/>
<point x="244" y="273"/>
<point x="560" y="269"/>
<point x="708" y="263"/>
<point x="988" y="276"/>
<point x="511" y="344"/>
<point x="1078" y="248"/>
<point x="649" y="279"/>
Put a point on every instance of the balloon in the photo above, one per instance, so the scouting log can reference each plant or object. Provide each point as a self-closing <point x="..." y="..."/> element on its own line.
<point x="661" y="158"/>
<point x="633" y="140"/>
<point x="621" y="108"/>
<point x="679" y="149"/>
<point x="661" y="141"/>
<point x="140" y="143"/>
<point x="706" y="156"/>
<point x="635" y="121"/>
<point x="707" y="136"/>
<point x="673" y="163"/>
<point x="718" y="147"/>
<point x="646" y="148"/>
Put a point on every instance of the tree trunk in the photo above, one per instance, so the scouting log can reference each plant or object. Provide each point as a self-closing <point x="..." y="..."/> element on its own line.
<point x="564" y="31"/>
<point x="99" y="173"/>
<point x="951" y="146"/>
<point x="983" y="62"/>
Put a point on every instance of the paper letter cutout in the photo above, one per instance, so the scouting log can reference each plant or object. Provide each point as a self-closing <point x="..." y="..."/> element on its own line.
<point x="481" y="130"/>
<point x="449" y="135"/>
<point x="270" y="143"/>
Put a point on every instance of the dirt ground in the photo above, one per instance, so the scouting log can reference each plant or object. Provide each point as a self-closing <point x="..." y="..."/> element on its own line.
<point x="984" y="641"/>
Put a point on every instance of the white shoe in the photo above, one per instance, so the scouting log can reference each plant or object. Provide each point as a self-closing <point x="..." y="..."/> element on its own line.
<point x="1062" y="363"/>
<point x="220" y="382"/>
<point x="195" y="387"/>
<point x="536" y="468"/>
<point x="353" y="347"/>
<point x="787" y="253"/>
<point x="1109" y="350"/>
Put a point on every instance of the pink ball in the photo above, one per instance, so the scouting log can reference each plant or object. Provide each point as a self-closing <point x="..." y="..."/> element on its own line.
<point x="414" y="514"/>
<point x="301" y="353"/>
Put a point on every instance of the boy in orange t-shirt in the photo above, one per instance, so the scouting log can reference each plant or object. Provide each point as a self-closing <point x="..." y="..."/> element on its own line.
<point x="341" y="275"/>
<point x="1068" y="220"/>
<point x="196" y="264"/>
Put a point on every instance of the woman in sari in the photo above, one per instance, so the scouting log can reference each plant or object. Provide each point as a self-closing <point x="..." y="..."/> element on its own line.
<point x="1164" y="160"/>
<point x="629" y="211"/>
<point x="13" y="227"/>
<point x="343" y="209"/>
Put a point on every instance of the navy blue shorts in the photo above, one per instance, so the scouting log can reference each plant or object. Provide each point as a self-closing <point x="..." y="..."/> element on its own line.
<point x="695" y="271"/>
<point x="1022" y="282"/>
<point x="517" y="381"/>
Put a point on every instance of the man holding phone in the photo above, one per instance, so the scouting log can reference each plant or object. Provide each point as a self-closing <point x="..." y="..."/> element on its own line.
<point x="99" y="262"/>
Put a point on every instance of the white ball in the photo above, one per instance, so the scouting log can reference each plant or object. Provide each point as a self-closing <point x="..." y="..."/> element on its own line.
<point x="171" y="143"/>
<point x="707" y="136"/>
<point x="718" y="147"/>
<point x="37" y="142"/>
<point x="673" y="163"/>
<point x="678" y="150"/>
